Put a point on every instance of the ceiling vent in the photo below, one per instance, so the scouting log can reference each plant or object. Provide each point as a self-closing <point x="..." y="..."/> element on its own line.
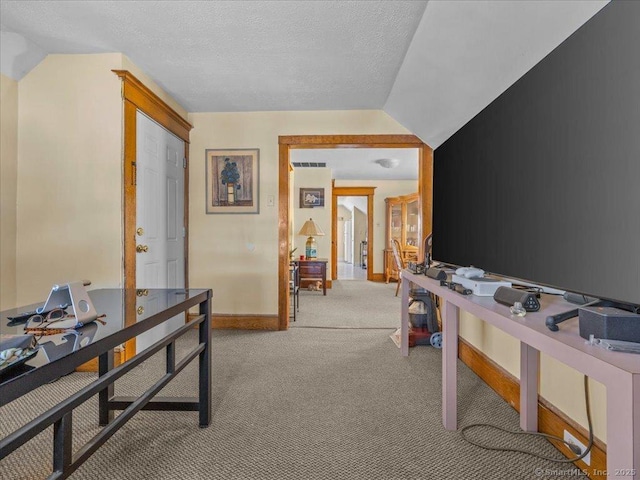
<point x="309" y="164"/>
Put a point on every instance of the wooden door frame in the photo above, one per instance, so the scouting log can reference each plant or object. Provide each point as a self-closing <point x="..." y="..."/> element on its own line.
<point x="351" y="192"/>
<point x="288" y="142"/>
<point x="136" y="96"/>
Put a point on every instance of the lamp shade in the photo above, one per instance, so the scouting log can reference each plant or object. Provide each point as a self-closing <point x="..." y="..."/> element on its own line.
<point x="311" y="229"/>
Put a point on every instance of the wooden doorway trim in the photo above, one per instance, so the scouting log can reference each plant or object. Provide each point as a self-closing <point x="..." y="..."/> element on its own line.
<point x="136" y="96"/>
<point x="287" y="143"/>
<point x="351" y="192"/>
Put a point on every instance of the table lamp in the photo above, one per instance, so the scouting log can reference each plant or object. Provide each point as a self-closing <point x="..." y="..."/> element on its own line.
<point x="311" y="229"/>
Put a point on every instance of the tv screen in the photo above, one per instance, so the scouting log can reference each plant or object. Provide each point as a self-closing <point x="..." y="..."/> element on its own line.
<point x="543" y="185"/>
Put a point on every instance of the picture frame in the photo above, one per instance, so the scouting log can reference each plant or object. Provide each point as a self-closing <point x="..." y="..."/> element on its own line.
<point x="232" y="180"/>
<point x="311" y="197"/>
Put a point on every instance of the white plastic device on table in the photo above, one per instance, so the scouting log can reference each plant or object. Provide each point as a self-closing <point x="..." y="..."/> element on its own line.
<point x="470" y="272"/>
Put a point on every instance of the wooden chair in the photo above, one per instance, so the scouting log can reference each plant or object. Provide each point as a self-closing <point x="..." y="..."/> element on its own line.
<point x="399" y="261"/>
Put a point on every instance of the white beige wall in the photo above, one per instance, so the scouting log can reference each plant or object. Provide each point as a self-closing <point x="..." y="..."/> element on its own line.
<point x="69" y="172"/>
<point x="383" y="189"/>
<point x="237" y="255"/>
<point x="313" y="178"/>
<point x="8" y="189"/>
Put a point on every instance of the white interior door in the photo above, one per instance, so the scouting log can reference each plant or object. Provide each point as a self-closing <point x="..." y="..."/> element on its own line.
<point x="175" y="233"/>
<point x="159" y="206"/>
<point x="159" y="220"/>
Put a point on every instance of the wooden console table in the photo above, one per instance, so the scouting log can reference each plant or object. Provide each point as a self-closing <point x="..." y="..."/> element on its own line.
<point x="312" y="270"/>
<point x="619" y="372"/>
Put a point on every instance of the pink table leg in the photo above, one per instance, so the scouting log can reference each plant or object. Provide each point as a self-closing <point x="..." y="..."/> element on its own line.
<point x="635" y="440"/>
<point x="623" y="447"/>
<point x="529" y="361"/>
<point x="450" y="324"/>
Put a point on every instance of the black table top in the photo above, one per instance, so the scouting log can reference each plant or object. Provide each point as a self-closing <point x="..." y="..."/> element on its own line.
<point x="109" y="302"/>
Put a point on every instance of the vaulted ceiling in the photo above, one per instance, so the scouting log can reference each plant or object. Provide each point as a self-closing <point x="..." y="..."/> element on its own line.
<point x="432" y="66"/>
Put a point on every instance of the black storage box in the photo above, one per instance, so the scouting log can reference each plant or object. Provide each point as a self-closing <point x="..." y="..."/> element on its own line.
<point x="609" y="323"/>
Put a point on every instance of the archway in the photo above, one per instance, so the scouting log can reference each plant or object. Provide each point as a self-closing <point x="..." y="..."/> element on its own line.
<point x="287" y="143"/>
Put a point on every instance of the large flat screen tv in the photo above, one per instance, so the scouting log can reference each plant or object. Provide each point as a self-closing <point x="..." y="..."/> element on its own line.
<point x="543" y="185"/>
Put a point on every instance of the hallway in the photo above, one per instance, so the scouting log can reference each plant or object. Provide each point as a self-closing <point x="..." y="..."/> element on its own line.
<point x="350" y="304"/>
<point x="349" y="271"/>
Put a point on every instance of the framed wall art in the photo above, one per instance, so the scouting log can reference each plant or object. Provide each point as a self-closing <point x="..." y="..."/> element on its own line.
<point x="311" y="197"/>
<point x="232" y="180"/>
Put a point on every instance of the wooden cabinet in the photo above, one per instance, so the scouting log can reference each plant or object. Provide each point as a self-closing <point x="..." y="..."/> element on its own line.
<point x="311" y="271"/>
<point x="403" y="224"/>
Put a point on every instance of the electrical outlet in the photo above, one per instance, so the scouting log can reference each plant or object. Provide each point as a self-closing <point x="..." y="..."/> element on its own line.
<point x="574" y="441"/>
<point x="270" y="201"/>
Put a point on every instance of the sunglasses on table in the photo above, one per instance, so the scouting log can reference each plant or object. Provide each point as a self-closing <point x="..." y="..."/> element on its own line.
<point x="54" y="322"/>
<point x="51" y="323"/>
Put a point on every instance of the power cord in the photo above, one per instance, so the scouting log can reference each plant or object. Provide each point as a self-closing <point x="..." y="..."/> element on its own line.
<point x="575" y="449"/>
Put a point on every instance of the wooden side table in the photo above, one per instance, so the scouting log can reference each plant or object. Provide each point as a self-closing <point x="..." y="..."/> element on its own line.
<point x="312" y="270"/>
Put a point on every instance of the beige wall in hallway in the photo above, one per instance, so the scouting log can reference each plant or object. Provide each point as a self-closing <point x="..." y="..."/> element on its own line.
<point x="313" y="178"/>
<point x="69" y="173"/>
<point x="237" y="255"/>
<point x="8" y="189"/>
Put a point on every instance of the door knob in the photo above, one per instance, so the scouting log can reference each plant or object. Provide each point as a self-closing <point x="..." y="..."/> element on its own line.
<point x="140" y="231"/>
<point x="142" y="248"/>
<point x="140" y="310"/>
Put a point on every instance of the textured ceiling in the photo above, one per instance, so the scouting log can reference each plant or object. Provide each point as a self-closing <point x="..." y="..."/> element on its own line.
<point x="218" y="56"/>
<point x="432" y="67"/>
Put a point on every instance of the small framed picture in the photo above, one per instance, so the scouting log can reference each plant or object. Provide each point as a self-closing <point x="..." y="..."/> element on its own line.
<point x="311" y="197"/>
<point x="232" y="180"/>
